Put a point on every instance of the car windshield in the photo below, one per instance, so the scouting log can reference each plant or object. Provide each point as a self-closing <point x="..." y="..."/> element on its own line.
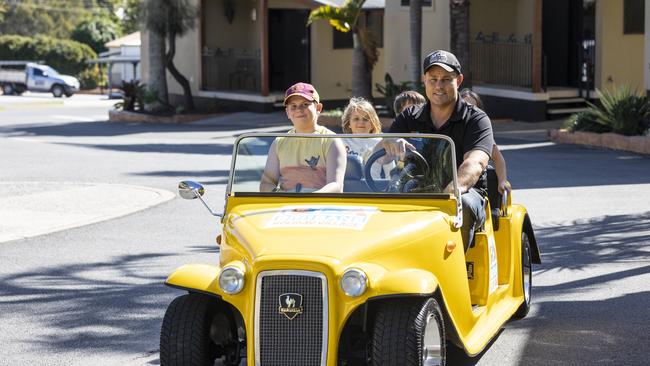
<point x="299" y="163"/>
<point x="48" y="70"/>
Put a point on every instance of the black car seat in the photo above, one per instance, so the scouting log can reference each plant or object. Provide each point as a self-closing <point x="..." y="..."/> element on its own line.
<point x="494" y="196"/>
<point x="354" y="181"/>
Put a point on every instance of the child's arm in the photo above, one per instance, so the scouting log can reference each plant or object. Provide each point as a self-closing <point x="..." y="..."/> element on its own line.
<point x="500" y="168"/>
<point x="335" y="168"/>
<point x="271" y="173"/>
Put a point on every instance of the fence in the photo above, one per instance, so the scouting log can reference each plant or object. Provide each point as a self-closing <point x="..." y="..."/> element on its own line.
<point x="231" y="69"/>
<point x="507" y="64"/>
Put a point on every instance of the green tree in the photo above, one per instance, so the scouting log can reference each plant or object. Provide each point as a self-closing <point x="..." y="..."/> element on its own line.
<point x="131" y="16"/>
<point x="3" y="10"/>
<point x="166" y="20"/>
<point x="96" y="31"/>
<point x="348" y="18"/>
<point x="54" y="18"/>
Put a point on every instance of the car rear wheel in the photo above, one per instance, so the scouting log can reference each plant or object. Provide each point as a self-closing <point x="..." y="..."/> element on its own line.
<point x="408" y="332"/>
<point x="526" y="276"/>
<point x="57" y="91"/>
<point x="8" y="89"/>
<point x="191" y="326"/>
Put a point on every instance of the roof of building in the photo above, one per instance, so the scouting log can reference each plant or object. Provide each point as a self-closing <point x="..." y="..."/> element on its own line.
<point x="132" y="39"/>
<point x="369" y="4"/>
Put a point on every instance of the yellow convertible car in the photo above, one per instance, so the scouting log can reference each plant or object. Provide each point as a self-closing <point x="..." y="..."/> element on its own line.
<point x="374" y="275"/>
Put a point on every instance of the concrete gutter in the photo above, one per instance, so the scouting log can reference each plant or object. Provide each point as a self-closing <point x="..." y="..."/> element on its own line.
<point x="29" y="209"/>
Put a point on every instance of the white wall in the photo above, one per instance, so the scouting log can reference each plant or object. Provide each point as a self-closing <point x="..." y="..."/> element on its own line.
<point x="397" y="35"/>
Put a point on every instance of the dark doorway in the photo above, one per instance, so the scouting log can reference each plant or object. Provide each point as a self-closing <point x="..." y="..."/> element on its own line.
<point x="562" y="35"/>
<point x="289" y="48"/>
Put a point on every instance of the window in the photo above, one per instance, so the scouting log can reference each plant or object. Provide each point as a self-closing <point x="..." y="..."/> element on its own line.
<point x="424" y="3"/>
<point x="633" y="16"/>
<point x="38" y="72"/>
<point x="375" y="23"/>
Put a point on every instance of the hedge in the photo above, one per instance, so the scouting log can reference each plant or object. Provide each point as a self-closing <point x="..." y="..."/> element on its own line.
<point x="66" y="56"/>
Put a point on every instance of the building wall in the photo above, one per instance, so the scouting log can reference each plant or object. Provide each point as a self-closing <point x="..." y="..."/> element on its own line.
<point x="331" y="69"/>
<point x="619" y="57"/>
<point x="397" y="44"/>
<point x="501" y="17"/>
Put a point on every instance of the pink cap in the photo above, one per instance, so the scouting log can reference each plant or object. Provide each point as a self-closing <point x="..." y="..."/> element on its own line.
<point x="304" y="90"/>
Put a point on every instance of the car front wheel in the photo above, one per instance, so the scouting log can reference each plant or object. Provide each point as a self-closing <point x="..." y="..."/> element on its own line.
<point x="197" y="331"/>
<point x="409" y="332"/>
<point x="57" y="91"/>
<point x="526" y="276"/>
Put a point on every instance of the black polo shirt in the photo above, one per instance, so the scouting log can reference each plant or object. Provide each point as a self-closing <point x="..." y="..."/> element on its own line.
<point x="469" y="127"/>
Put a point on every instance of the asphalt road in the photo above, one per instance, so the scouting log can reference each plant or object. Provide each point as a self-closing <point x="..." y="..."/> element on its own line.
<point x="93" y="294"/>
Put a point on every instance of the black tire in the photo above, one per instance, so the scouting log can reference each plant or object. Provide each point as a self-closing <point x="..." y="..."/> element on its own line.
<point x="526" y="276"/>
<point x="57" y="91"/>
<point x="185" y="334"/>
<point x="8" y="89"/>
<point x="398" y="337"/>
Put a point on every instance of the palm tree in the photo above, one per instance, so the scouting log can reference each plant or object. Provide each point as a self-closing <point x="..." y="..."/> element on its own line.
<point x="415" y="14"/>
<point x="166" y="20"/>
<point x="459" y="29"/>
<point x="348" y="18"/>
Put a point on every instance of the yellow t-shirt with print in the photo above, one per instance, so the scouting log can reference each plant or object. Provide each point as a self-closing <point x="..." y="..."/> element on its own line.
<point x="303" y="160"/>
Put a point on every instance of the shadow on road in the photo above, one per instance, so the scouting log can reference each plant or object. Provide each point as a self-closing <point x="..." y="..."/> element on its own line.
<point x="606" y="239"/>
<point x="80" y="310"/>
<point x="608" y="326"/>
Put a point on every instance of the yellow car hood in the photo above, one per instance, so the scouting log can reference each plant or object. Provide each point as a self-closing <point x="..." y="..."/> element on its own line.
<point x="344" y="232"/>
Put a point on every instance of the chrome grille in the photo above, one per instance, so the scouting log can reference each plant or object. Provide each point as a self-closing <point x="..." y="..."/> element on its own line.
<point x="301" y="341"/>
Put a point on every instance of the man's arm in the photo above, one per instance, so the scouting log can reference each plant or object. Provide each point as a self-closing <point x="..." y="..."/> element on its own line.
<point x="271" y="173"/>
<point x="335" y="168"/>
<point x="474" y="163"/>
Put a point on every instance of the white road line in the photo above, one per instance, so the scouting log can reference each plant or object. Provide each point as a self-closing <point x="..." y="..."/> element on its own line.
<point x="73" y="118"/>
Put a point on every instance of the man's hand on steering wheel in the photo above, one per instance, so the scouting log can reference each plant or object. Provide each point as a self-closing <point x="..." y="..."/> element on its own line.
<point x="396" y="147"/>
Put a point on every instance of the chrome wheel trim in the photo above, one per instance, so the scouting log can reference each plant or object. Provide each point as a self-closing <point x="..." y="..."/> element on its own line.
<point x="526" y="268"/>
<point x="431" y="343"/>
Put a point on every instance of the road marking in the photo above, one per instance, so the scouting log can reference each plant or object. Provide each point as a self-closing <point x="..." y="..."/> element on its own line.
<point x="73" y="118"/>
<point x="55" y="206"/>
<point x="525" y="146"/>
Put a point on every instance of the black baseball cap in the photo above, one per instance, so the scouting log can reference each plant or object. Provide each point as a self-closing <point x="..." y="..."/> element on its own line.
<point x="441" y="58"/>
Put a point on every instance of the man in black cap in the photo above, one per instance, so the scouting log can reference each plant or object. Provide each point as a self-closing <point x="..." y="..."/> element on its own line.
<point x="469" y="127"/>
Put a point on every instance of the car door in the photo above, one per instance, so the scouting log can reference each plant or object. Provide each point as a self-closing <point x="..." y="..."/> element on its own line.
<point x="36" y="80"/>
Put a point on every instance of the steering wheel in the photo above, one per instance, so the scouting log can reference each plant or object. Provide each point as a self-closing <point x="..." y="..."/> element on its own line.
<point x="415" y="167"/>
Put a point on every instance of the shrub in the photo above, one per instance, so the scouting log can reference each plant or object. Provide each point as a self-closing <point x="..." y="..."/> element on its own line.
<point x="390" y="90"/>
<point x="133" y="92"/>
<point x="622" y="111"/>
<point x="92" y="78"/>
<point x="67" y="57"/>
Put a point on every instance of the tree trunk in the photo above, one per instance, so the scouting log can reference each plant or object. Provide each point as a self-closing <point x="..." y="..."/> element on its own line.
<point x="415" y="12"/>
<point x="459" y="29"/>
<point x="187" y="91"/>
<point x="361" y="71"/>
<point x="157" y="74"/>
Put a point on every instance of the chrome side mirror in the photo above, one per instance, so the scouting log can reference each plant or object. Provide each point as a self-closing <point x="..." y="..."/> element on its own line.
<point x="190" y="190"/>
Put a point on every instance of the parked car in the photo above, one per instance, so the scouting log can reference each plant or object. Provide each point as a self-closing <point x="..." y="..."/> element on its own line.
<point x="375" y="275"/>
<point x="17" y="77"/>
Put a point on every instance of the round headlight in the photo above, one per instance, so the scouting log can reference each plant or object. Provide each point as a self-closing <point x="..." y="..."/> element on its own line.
<point x="354" y="282"/>
<point x="231" y="280"/>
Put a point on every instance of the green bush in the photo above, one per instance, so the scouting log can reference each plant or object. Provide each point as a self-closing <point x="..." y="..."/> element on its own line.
<point x="92" y="78"/>
<point x="67" y="57"/>
<point x="390" y="90"/>
<point x="622" y="111"/>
